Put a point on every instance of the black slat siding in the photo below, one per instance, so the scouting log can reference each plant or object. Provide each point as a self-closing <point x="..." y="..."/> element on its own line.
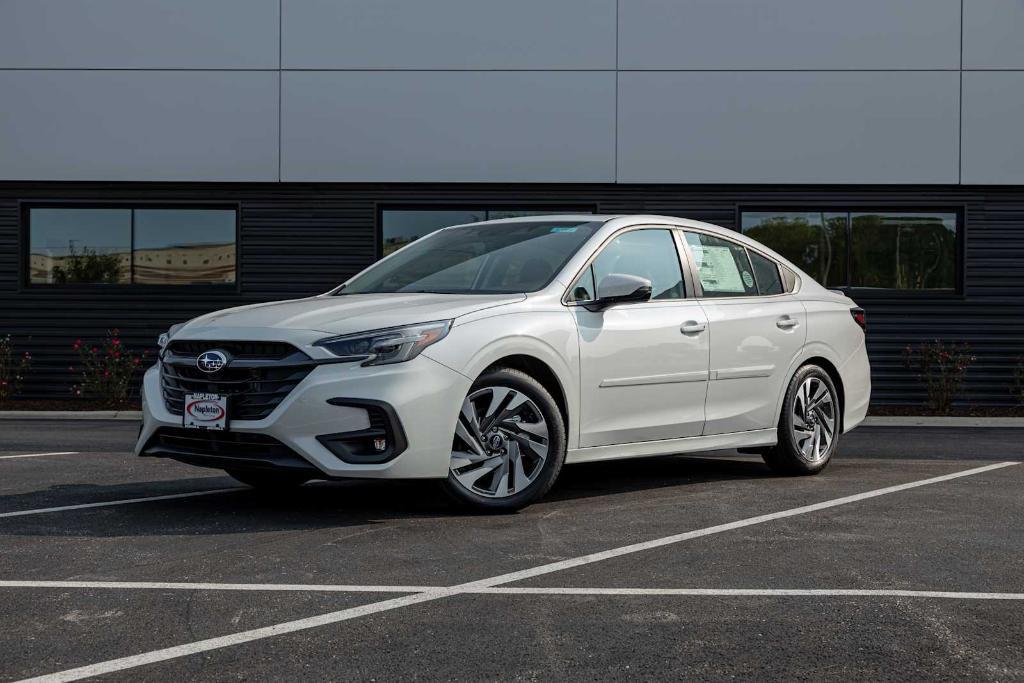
<point x="302" y="239"/>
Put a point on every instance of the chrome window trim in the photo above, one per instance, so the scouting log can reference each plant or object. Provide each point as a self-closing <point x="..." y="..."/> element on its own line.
<point x="699" y="290"/>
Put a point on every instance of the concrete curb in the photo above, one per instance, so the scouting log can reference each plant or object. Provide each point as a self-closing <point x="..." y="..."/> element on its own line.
<point x="877" y="421"/>
<point x="70" y="414"/>
<point x="929" y="421"/>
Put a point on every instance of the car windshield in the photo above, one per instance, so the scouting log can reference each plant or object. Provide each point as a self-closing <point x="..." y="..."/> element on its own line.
<point x="478" y="259"/>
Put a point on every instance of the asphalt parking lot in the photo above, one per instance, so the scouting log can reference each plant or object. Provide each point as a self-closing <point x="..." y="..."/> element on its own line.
<point x="905" y="559"/>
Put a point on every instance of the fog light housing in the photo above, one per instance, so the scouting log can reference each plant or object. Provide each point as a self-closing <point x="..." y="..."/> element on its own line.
<point x="382" y="441"/>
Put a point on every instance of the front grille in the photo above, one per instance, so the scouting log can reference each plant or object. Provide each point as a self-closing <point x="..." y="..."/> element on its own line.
<point x="208" y="448"/>
<point x="241" y="350"/>
<point x="253" y="386"/>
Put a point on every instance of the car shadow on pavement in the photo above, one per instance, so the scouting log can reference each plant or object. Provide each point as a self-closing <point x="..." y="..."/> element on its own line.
<point x="327" y="504"/>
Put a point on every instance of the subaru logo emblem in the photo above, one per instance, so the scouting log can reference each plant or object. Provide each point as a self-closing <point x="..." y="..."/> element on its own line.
<point x="211" y="361"/>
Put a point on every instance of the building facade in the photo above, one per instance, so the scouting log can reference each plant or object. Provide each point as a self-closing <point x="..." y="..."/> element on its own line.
<point x="161" y="160"/>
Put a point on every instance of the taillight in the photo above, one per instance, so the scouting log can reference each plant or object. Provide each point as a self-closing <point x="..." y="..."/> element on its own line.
<point x="860" y="317"/>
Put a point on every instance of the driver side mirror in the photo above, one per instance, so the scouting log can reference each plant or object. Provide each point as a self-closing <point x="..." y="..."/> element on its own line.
<point x="619" y="288"/>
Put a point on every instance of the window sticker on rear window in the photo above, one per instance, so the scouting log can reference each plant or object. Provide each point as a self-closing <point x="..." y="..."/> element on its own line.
<point x="718" y="271"/>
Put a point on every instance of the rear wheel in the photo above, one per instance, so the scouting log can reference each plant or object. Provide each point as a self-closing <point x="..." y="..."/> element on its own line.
<point x="509" y="443"/>
<point x="808" y="426"/>
<point x="269" y="480"/>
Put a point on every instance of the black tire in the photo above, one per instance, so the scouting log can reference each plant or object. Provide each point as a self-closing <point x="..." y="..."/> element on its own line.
<point x="787" y="456"/>
<point x="556" y="445"/>
<point x="269" y="480"/>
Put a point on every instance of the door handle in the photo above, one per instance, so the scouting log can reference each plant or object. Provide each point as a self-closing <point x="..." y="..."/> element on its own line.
<point x="692" y="327"/>
<point x="786" y="323"/>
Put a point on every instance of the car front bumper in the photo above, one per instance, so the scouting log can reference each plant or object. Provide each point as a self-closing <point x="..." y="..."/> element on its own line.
<point x="421" y="398"/>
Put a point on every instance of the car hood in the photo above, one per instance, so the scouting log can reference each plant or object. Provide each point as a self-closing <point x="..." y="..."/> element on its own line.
<point x="351" y="312"/>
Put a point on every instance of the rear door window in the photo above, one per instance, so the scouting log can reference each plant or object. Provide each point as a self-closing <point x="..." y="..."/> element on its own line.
<point x="722" y="266"/>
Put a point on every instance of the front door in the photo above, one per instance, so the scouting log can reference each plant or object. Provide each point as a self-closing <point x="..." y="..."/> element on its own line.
<point x="643" y="366"/>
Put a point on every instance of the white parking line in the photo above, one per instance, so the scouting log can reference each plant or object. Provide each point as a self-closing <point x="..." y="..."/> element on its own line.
<point x="164" y="585"/>
<point x="511" y="590"/>
<point x="109" y="503"/>
<point x="187" y="649"/>
<point x="37" y="455"/>
<point x="768" y="592"/>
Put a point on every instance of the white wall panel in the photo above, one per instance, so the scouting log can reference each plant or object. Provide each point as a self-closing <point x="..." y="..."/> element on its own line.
<point x="138" y="125"/>
<point x="993" y="132"/>
<point x="994" y="34"/>
<point x="449" y="34"/>
<point x="448" y="126"/>
<point x="790" y="34"/>
<point x="797" y="127"/>
<point x="139" y="34"/>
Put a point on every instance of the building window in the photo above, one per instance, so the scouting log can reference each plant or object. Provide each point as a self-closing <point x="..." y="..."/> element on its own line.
<point x="892" y="250"/>
<point x="399" y="227"/>
<point x="119" y="246"/>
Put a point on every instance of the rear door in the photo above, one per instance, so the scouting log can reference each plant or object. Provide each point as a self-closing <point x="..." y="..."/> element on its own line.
<point x="643" y="366"/>
<point x="756" y="327"/>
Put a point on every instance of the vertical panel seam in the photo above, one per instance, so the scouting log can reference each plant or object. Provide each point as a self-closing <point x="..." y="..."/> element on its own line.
<point x="960" y="103"/>
<point x="615" y="136"/>
<point x="280" y="79"/>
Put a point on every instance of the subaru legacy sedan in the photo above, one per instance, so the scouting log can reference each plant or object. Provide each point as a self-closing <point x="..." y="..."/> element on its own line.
<point x="486" y="356"/>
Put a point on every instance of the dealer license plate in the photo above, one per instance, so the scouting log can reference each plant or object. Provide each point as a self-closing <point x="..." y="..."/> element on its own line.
<point x="205" y="411"/>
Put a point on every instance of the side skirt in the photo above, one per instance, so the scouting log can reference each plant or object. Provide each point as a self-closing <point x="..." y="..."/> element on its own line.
<point x="642" y="449"/>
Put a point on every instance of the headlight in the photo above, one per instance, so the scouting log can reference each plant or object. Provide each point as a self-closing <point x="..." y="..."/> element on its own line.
<point x="165" y="337"/>
<point x="391" y="345"/>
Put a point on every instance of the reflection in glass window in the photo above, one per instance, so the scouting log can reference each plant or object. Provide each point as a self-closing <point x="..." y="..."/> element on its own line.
<point x="722" y="266"/>
<point x="75" y="246"/>
<point x="131" y="245"/>
<point x="649" y="254"/>
<point x="184" y="246"/>
<point x="903" y="250"/>
<point x="399" y="227"/>
<point x="814" y="241"/>
<point x="478" y="259"/>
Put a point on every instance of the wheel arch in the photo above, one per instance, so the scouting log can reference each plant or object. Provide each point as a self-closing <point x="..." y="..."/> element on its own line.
<point x="833" y="372"/>
<point x="820" y="355"/>
<point x="540" y="371"/>
<point x="544" y="345"/>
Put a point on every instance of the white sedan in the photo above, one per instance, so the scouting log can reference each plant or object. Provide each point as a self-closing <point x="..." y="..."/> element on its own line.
<point x="488" y="355"/>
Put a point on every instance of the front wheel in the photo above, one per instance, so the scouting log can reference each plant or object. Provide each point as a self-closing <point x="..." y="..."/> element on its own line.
<point x="808" y="426"/>
<point x="509" y="443"/>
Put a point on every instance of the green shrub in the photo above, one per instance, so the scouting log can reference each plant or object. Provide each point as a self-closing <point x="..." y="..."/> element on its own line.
<point x="941" y="367"/>
<point x="106" y="372"/>
<point x="13" y="369"/>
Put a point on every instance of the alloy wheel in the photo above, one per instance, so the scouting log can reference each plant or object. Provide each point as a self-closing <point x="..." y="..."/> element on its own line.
<point x="501" y="442"/>
<point x="814" y="419"/>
